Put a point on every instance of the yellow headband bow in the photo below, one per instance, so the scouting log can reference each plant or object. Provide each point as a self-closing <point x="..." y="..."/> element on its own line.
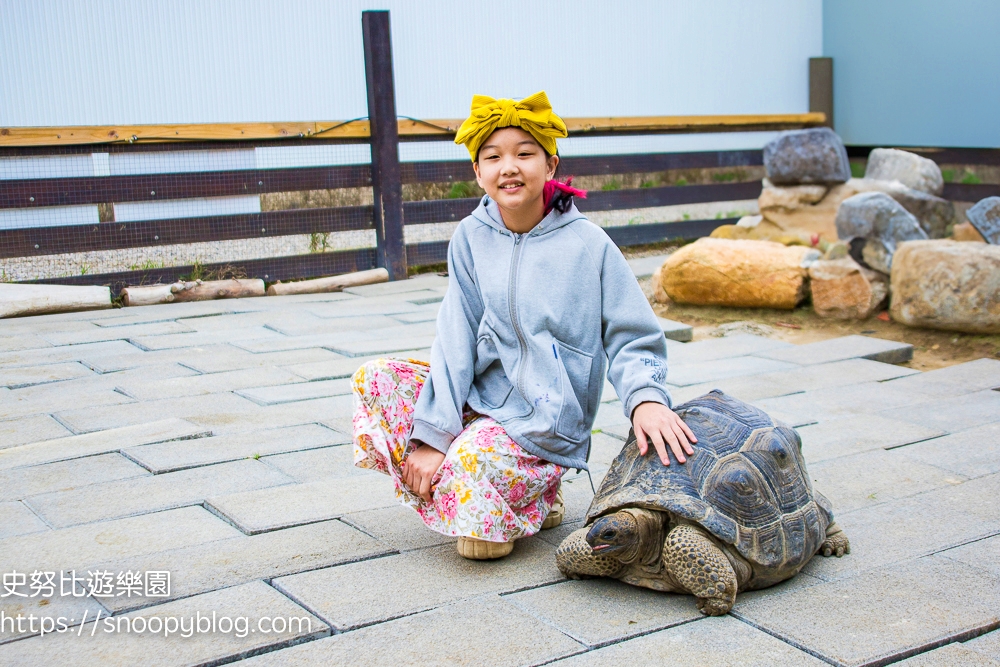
<point x="532" y="114"/>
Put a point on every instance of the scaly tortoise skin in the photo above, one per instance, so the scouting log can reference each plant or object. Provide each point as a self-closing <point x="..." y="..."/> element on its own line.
<point x="741" y="514"/>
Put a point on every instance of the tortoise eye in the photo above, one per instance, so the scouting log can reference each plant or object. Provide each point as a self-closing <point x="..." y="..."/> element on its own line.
<point x="609" y="534"/>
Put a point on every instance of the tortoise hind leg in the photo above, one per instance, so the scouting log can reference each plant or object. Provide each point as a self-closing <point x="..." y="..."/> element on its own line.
<point x="701" y="567"/>
<point x="576" y="559"/>
<point x="836" y="543"/>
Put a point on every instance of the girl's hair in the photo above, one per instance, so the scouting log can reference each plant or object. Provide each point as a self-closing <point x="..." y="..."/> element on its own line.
<point x="557" y="195"/>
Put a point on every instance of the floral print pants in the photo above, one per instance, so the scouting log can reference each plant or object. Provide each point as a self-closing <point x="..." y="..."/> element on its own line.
<point x="488" y="487"/>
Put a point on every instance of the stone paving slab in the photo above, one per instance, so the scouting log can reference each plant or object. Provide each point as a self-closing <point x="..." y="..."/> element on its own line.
<point x="988" y="644"/>
<point x="806" y="378"/>
<point x="603" y="449"/>
<point x="23" y="430"/>
<point x="96" y="333"/>
<point x="387" y="305"/>
<point x="414" y="284"/>
<point x="358" y="594"/>
<point x="466" y="633"/>
<point x="302" y="324"/>
<point x="861" y="433"/>
<point x="221" y="409"/>
<point x="872" y="477"/>
<point x="302" y="391"/>
<point x="25" y="376"/>
<point x="229" y="358"/>
<point x="253" y="601"/>
<point x="39" y="400"/>
<point x="954" y="380"/>
<point x="71" y="609"/>
<point x="949" y="656"/>
<point x="428" y="313"/>
<point x="142" y="495"/>
<point x="17" y="519"/>
<point x="282" y="507"/>
<point x="701" y="372"/>
<point x="643" y="267"/>
<point x="65" y="393"/>
<point x="971" y="452"/>
<point x="719" y="642"/>
<point x="312" y="465"/>
<point x="836" y="402"/>
<point x="212" y="383"/>
<point x="198" y="338"/>
<point x="882" y="614"/>
<point x="845" y="347"/>
<point x="335" y="339"/>
<point x="678" y="331"/>
<point x="54" y="355"/>
<point x="398" y="527"/>
<point x="170" y="457"/>
<point x="19" y="483"/>
<point x="383" y="346"/>
<point x="958" y="413"/>
<point x="200" y="568"/>
<point x="983" y="554"/>
<point x="98" y="442"/>
<point x="624" y="611"/>
<point x="80" y="546"/>
<point x="911" y="527"/>
<point x="723" y="348"/>
<point x="24" y="341"/>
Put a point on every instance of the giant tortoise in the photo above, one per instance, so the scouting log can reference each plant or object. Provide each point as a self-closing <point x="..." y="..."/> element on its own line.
<point x="741" y="514"/>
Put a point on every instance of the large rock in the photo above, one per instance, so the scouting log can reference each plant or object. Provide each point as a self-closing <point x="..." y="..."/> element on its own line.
<point x="947" y="285"/>
<point x="985" y="217"/>
<point x="966" y="232"/>
<point x="749" y="274"/>
<point x="806" y="156"/>
<point x="882" y="222"/>
<point x="913" y="171"/>
<point x="811" y="210"/>
<point x="843" y="289"/>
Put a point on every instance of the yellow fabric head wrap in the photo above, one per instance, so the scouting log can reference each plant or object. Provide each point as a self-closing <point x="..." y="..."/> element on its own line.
<point x="532" y="114"/>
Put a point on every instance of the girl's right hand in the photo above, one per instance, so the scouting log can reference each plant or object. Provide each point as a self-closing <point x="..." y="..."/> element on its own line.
<point x="419" y="469"/>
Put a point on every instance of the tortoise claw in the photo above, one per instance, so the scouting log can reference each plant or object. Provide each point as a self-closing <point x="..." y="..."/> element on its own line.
<point x="714" y="606"/>
<point x="836" y="545"/>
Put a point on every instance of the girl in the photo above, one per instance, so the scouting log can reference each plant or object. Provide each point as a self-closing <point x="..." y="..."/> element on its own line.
<point x="538" y="298"/>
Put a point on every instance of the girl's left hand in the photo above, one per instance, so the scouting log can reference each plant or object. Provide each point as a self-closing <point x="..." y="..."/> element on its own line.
<point x="662" y="427"/>
<point x="419" y="469"/>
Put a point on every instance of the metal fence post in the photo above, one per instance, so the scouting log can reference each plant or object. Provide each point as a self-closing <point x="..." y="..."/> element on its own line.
<point x="821" y="87"/>
<point x="386" y="183"/>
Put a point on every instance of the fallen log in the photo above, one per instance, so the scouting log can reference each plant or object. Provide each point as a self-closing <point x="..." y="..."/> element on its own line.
<point x="331" y="284"/>
<point x="194" y="290"/>
<point x="19" y="300"/>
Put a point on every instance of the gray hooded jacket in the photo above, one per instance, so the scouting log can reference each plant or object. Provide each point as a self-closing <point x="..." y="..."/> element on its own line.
<point x="524" y="331"/>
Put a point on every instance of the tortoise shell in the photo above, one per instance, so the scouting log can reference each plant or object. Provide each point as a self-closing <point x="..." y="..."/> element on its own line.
<point x="746" y="484"/>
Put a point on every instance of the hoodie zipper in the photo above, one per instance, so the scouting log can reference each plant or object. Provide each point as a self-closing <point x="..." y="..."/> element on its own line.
<point x="512" y="302"/>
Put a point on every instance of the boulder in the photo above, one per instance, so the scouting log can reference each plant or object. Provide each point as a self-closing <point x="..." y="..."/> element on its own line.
<point x="843" y="289"/>
<point x="656" y="283"/>
<point x="811" y="210"/>
<point x="944" y="284"/>
<point x="748" y="274"/>
<point x="913" y="171"/>
<point x="966" y="232"/>
<point x="882" y="222"/>
<point x="806" y="156"/>
<point x="985" y="217"/>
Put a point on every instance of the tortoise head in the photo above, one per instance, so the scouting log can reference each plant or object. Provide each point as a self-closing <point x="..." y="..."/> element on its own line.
<point x="614" y="534"/>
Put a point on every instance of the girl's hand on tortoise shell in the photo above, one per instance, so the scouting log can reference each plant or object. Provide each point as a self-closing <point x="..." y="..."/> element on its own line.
<point x="661" y="426"/>
<point x="419" y="469"/>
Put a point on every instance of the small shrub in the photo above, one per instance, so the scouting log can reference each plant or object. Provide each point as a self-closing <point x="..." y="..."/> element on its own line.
<point x="948" y="175"/>
<point x="613" y="184"/>
<point x="461" y="190"/>
<point x="970" y="178"/>
<point x="648" y="184"/>
<point x="319" y="241"/>
<point x="681" y="181"/>
<point x="726" y="177"/>
<point x="857" y="169"/>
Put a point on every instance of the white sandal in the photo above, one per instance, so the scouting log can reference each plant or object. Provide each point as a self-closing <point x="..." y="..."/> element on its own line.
<point x="476" y="549"/>
<point x="557" y="512"/>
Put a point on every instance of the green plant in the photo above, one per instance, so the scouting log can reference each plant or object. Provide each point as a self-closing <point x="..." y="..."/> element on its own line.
<point x="948" y="175"/>
<point x="970" y="179"/>
<point x="84" y="269"/>
<point x="319" y="241"/>
<point x="4" y="278"/>
<point x="681" y="181"/>
<point x="726" y="177"/>
<point x="461" y="190"/>
<point x="197" y="271"/>
<point x="687" y="216"/>
<point x="613" y="184"/>
<point x="635" y="221"/>
<point x="147" y="265"/>
<point x="256" y="456"/>
<point x="858" y="169"/>
<point x="648" y="184"/>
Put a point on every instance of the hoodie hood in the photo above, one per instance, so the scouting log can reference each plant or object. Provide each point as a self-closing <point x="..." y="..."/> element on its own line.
<point x="488" y="213"/>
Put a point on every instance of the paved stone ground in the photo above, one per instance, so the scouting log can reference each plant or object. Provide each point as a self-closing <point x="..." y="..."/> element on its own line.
<point x="211" y="440"/>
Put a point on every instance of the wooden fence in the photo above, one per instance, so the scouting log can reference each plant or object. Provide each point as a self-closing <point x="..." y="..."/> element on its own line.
<point x="385" y="175"/>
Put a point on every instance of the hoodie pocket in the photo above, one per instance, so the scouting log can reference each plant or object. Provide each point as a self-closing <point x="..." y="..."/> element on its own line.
<point x="577" y="367"/>
<point x="491" y="381"/>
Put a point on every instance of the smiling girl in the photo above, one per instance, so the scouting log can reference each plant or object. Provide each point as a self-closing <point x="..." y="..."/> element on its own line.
<point x="539" y="302"/>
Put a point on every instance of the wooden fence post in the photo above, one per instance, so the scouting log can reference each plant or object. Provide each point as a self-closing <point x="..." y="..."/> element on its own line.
<point x="386" y="183"/>
<point x="821" y="87"/>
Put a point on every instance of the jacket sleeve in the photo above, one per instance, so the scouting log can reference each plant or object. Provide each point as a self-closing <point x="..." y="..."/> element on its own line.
<point x="633" y="340"/>
<point x="438" y="413"/>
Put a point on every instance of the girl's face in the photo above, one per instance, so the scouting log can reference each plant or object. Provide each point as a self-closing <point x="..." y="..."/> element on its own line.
<point x="513" y="169"/>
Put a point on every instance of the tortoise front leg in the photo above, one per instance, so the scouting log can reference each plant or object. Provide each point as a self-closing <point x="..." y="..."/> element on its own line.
<point x="701" y="567"/>
<point x="577" y="560"/>
<point x="836" y="543"/>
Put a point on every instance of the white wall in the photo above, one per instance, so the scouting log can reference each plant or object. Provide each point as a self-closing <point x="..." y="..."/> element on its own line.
<point x="98" y="62"/>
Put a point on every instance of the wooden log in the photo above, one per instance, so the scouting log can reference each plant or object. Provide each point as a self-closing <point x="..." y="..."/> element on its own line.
<point x="194" y="290"/>
<point x="330" y="284"/>
<point x="18" y="300"/>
